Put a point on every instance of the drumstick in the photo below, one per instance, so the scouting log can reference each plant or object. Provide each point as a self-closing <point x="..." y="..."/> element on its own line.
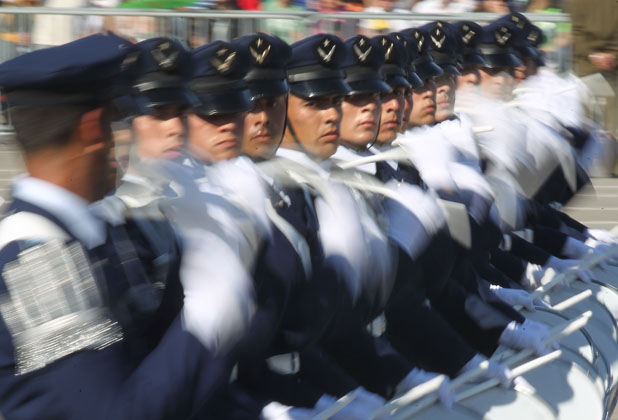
<point x="586" y="264"/>
<point x="573" y="300"/>
<point x="483" y="386"/>
<point x="392" y="154"/>
<point x="517" y="371"/>
<point x="335" y="407"/>
<point x="428" y="389"/>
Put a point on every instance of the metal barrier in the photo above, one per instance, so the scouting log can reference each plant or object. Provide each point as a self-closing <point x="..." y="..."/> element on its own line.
<point x="25" y="28"/>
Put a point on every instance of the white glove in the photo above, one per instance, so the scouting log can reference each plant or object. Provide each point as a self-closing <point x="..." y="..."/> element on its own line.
<point x="342" y="235"/>
<point x="494" y="371"/>
<point x="564" y="265"/>
<point x="361" y="408"/>
<point x="602" y="235"/>
<point x="529" y="335"/>
<point x="276" y="411"/>
<point x="499" y="372"/>
<point x="576" y="249"/>
<point x="531" y="279"/>
<point x="601" y="248"/>
<point x="513" y="297"/>
<point x="219" y="297"/>
<point x="420" y="376"/>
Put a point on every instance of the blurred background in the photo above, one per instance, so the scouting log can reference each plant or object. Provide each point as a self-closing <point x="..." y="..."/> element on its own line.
<point x="198" y="21"/>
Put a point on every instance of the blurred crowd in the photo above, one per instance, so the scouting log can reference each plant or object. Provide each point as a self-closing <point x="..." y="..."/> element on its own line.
<point x="56" y="30"/>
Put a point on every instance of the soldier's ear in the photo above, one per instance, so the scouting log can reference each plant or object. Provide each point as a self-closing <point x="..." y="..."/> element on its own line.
<point x="90" y="131"/>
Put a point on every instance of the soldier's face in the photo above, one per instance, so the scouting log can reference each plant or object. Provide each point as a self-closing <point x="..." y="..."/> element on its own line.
<point x="470" y="78"/>
<point x="445" y="97"/>
<point x="391" y="119"/>
<point x="360" y="120"/>
<point x="264" y="126"/>
<point x="407" y="109"/>
<point x="519" y="73"/>
<point x="423" y="104"/>
<point x="314" y="123"/>
<point x="159" y="135"/>
<point x="496" y="83"/>
<point x="96" y="156"/>
<point x="527" y="69"/>
<point x="213" y="138"/>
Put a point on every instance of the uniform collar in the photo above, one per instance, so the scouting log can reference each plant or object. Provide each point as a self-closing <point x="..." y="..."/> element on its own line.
<point x="322" y="167"/>
<point x="68" y="207"/>
<point x="377" y="149"/>
<point x="346" y="154"/>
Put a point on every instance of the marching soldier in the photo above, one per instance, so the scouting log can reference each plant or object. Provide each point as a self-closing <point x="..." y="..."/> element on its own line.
<point x="76" y="350"/>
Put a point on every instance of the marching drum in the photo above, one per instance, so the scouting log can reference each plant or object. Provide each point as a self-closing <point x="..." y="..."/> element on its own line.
<point x="573" y="393"/>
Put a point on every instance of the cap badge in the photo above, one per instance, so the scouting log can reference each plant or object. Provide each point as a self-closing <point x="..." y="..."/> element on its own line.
<point x="362" y="49"/>
<point x="260" y="50"/>
<point x="401" y="39"/>
<point x="420" y="40"/>
<point x="130" y="60"/>
<point x="438" y="42"/>
<point x="388" y="48"/>
<point x="166" y="55"/>
<point x="468" y="36"/>
<point x="326" y="50"/>
<point x="517" y="21"/>
<point x="502" y="35"/>
<point x="223" y="60"/>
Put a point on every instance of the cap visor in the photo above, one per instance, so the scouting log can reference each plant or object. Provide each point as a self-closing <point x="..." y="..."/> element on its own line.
<point x="225" y="102"/>
<point x="267" y="88"/>
<point x="428" y="69"/>
<point x="450" y="69"/>
<point x="473" y="60"/>
<point x="528" y="52"/>
<point x="397" y="80"/>
<point x="501" y="60"/>
<point x="320" y="87"/>
<point x="369" y="86"/>
<point x="414" y="80"/>
<point x="147" y="101"/>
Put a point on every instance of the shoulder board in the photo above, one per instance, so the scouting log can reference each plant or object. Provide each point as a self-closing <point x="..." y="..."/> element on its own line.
<point x="26" y="225"/>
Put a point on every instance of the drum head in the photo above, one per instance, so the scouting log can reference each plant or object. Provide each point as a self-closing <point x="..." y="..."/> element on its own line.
<point x="576" y="341"/>
<point x="600" y="313"/>
<point x="568" y="390"/>
<point x="508" y="404"/>
<point x="437" y="412"/>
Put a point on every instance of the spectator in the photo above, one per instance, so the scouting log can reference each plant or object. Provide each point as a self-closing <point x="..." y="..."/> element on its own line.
<point x="290" y="30"/>
<point x="444" y="6"/>
<point x="595" y="47"/>
<point x="373" y="27"/>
